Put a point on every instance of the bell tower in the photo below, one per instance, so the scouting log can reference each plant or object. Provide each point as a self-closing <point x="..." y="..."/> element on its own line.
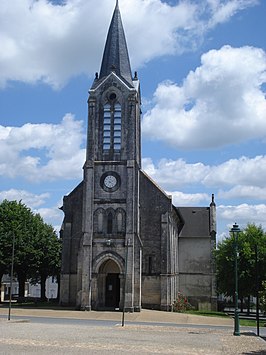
<point x="114" y="102"/>
<point x="111" y="245"/>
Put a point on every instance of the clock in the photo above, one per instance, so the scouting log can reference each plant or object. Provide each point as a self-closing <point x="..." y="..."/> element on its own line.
<point x="110" y="181"/>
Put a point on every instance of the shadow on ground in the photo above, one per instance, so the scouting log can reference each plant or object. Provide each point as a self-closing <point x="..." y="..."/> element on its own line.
<point x="260" y="352"/>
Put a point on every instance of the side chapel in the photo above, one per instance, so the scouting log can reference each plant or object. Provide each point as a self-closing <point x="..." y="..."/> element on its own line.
<point x="120" y="229"/>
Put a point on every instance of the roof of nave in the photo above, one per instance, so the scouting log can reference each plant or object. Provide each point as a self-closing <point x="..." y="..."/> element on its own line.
<point x="196" y="221"/>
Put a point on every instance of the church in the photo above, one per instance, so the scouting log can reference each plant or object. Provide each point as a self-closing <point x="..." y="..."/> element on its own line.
<point x="125" y="245"/>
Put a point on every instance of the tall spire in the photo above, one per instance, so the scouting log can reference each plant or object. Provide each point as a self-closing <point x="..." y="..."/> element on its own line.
<point x="115" y="57"/>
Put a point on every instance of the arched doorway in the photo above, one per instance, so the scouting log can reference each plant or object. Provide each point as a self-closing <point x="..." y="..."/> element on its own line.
<point x="109" y="284"/>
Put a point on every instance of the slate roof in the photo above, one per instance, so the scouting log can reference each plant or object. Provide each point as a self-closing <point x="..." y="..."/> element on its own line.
<point x="196" y="221"/>
<point x="115" y="57"/>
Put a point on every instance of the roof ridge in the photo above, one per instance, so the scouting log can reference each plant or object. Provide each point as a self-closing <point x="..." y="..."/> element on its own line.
<point x="155" y="183"/>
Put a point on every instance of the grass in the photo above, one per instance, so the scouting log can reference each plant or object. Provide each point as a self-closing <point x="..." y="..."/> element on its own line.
<point x="52" y="304"/>
<point x="242" y="322"/>
<point x="250" y="323"/>
<point x="38" y="304"/>
<point x="208" y="313"/>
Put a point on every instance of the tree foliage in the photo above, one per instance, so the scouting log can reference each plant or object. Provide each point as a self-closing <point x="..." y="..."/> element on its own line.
<point x="37" y="248"/>
<point x="249" y="239"/>
<point x="263" y="297"/>
<point x="48" y="253"/>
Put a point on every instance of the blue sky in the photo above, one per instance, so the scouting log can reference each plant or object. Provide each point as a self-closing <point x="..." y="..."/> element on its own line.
<point x="202" y="67"/>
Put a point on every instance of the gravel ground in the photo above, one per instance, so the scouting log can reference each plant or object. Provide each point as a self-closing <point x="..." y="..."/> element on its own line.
<point x="28" y="338"/>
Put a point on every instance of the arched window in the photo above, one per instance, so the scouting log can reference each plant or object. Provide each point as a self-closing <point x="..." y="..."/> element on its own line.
<point x="117" y="127"/>
<point x="107" y="127"/>
<point x="112" y="126"/>
<point x="110" y="223"/>
<point x="120" y="218"/>
<point x="98" y="220"/>
<point x="100" y="223"/>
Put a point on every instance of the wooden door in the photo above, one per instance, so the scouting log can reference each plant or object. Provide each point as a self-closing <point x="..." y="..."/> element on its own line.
<point x="112" y="293"/>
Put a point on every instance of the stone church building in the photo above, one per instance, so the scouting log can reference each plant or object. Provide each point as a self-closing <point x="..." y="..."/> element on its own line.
<point x="124" y="243"/>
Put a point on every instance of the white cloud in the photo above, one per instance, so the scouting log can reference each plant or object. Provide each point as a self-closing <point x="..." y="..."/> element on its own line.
<point x="51" y="215"/>
<point x="243" y="171"/>
<point x="245" y="178"/>
<point x="244" y="192"/>
<point x="243" y="214"/>
<point x="41" y="152"/>
<point x="174" y="173"/>
<point x="223" y="11"/>
<point x="182" y="199"/>
<point x="48" y="42"/>
<point x="246" y="175"/>
<point x="28" y="198"/>
<point x="215" y="104"/>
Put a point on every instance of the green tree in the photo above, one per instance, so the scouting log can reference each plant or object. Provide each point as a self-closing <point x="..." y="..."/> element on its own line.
<point x="263" y="297"/>
<point x="48" y="255"/>
<point x="37" y="249"/>
<point x="253" y="237"/>
<point x="16" y="220"/>
<point x="5" y="252"/>
<point x="250" y="238"/>
<point x="224" y="258"/>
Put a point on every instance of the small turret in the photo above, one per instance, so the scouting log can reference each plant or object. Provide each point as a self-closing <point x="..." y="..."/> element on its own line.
<point x="212" y="203"/>
<point x="213" y="218"/>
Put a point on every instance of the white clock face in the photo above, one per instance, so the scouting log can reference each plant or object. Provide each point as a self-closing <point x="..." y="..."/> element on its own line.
<point x="110" y="181"/>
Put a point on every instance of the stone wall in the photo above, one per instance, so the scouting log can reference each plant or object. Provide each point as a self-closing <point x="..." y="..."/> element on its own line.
<point x="195" y="273"/>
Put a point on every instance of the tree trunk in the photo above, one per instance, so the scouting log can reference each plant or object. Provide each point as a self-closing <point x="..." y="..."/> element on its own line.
<point x="248" y="306"/>
<point x="43" y="287"/>
<point x="58" y="287"/>
<point x="1" y="275"/>
<point x="21" y="284"/>
<point x="241" y="304"/>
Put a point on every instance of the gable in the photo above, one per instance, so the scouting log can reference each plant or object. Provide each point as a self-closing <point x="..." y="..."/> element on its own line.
<point x="105" y="82"/>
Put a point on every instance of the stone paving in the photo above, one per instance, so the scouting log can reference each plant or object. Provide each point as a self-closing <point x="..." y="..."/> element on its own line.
<point x="25" y="337"/>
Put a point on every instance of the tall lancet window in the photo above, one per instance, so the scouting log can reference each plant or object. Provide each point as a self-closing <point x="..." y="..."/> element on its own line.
<point x="117" y="126"/>
<point x="107" y="127"/>
<point x="112" y="125"/>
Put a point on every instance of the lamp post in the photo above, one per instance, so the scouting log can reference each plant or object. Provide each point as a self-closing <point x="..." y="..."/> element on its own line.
<point x="235" y="231"/>
<point x="257" y="291"/>
<point x="11" y="276"/>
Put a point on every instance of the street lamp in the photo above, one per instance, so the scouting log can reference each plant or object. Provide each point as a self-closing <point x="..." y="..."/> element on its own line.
<point x="11" y="276"/>
<point x="235" y="231"/>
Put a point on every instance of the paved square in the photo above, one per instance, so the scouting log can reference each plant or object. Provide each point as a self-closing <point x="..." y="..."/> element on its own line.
<point x="25" y="337"/>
